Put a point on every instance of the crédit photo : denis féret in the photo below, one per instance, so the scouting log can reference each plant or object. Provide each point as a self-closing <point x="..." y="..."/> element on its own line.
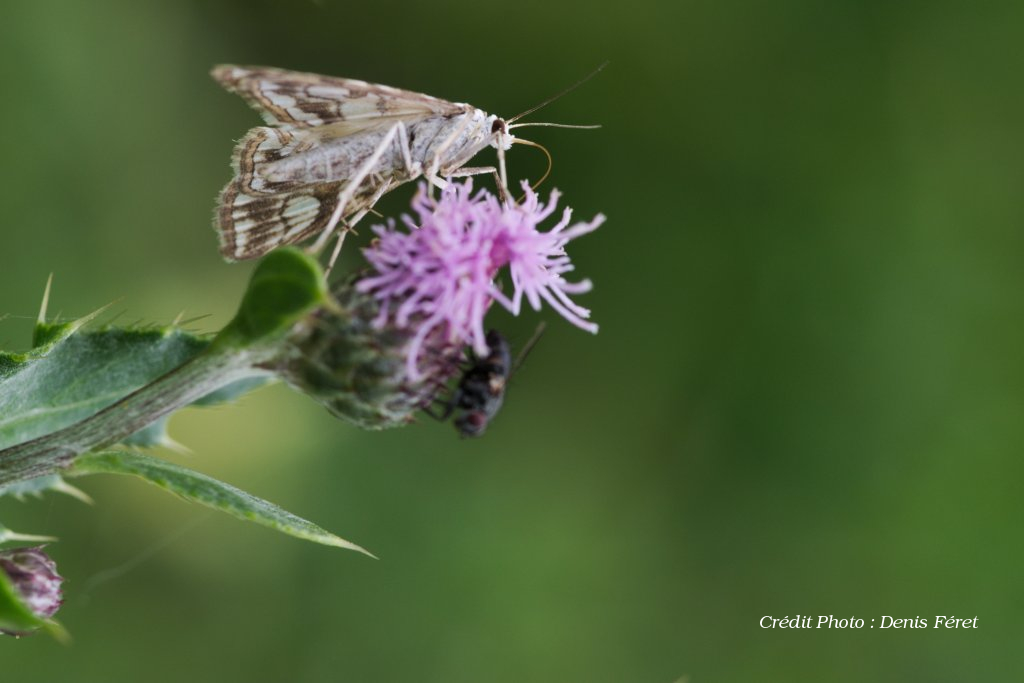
<point x="885" y="621"/>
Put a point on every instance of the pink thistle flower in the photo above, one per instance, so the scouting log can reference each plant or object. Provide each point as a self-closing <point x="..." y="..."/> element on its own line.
<point x="439" y="277"/>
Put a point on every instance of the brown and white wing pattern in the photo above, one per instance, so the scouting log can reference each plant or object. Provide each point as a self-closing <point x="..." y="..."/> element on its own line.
<point x="292" y="98"/>
<point x="256" y="213"/>
<point x="256" y="216"/>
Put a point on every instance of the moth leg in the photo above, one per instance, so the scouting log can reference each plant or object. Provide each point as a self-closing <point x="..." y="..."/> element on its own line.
<point x="353" y="184"/>
<point x="433" y="170"/>
<point x="466" y="171"/>
<point x="412" y="168"/>
<point x="502" y="177"/>
<point x="384" y="187"/>
<point x="337" y="248"/>
<point x="473" y="170"/>
<point x="346" y="229"/>
<point x="435" y="181"/>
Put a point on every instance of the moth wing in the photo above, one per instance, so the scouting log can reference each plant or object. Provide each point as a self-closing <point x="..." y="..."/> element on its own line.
<point x="256" y="216"/>
<point x="293" y="99"/>
<point x="252" y="225"/>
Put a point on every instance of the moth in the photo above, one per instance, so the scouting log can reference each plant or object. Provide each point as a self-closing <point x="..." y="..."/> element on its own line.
<point x="333" y="146"/>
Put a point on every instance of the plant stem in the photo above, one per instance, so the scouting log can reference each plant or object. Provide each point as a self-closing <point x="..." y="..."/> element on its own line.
<point x="216" y="367"/>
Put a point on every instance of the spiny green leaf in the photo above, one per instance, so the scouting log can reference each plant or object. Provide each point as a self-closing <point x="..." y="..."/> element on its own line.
<point x="8" y="535"/>
<point x="71" y="374"/>
<point x="36" y="487"/>
<point x="46" y="334"/>
<point x="200" y="488"/>
<point x="74" y="375"/>
<point x="45" y="337"/>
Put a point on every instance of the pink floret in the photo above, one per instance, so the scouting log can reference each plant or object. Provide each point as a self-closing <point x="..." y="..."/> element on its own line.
<point x="438" y="278"/>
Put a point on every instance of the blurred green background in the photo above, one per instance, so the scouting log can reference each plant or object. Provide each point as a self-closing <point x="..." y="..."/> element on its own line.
<point x="805" y="398"/>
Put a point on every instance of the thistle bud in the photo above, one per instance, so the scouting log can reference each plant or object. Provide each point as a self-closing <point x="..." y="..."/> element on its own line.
<point x="359" y="370"/>
<point x="34" y="577"/>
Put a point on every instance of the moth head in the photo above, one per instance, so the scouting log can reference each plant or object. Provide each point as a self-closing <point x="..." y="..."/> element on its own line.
<point x="500" y="137"/>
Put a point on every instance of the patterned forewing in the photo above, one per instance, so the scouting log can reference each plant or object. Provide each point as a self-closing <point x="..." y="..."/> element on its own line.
<point x="255" y="216"/>
<point x="292" y="98"/>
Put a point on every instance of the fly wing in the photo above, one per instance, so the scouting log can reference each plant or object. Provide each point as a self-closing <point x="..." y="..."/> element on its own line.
<point x="292" y="99"/>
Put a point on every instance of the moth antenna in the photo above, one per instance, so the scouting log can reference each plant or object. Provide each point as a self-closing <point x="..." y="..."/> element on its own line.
<point x="525" y="351"/>
<point x="530" y="143"/>
<point x="557" y="125"/>
<point x="556" y="96"/>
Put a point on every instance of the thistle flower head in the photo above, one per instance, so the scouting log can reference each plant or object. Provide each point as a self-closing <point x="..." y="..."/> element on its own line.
<point x="357" y="369"/>
<point x="34" y="577"/>
<point x="395" y="336"/>
<point x="438" y="279"/>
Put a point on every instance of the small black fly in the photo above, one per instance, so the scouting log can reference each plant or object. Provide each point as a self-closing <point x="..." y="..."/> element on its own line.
<point x="481" y="389"/>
